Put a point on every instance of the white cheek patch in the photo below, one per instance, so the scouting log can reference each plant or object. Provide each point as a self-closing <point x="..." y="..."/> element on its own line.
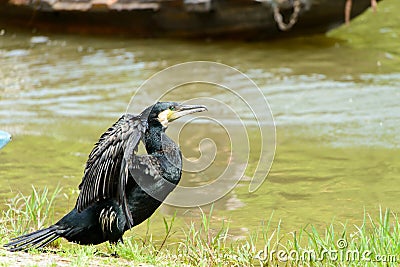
<point x="163" y="118"/>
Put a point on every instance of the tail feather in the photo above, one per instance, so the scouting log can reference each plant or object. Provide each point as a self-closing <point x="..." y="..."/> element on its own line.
<point x="36" y="239"/>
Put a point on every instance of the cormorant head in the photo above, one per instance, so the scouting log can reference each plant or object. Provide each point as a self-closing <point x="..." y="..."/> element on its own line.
<point x="165" y="112"/>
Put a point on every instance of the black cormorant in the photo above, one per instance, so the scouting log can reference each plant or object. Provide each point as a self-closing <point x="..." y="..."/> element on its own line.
<point x="120" y="189"/>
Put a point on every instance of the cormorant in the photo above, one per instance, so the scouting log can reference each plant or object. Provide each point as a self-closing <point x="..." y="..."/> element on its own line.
<point x="120" y="189"/>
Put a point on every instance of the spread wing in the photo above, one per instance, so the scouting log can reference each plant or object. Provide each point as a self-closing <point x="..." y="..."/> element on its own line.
<point x="106" y="171"/>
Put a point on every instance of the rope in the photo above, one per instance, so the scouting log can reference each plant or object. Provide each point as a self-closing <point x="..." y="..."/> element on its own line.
<point x="293" y="18"/>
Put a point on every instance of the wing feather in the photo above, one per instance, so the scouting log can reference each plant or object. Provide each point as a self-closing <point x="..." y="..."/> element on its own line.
<point x="105" y="174"/>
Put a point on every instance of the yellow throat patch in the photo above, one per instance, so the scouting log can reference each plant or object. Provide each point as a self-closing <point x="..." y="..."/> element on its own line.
<point x="163" y="117"/>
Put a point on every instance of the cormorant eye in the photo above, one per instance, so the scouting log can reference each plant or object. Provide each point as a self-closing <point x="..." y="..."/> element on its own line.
<point x="172" y="108"/>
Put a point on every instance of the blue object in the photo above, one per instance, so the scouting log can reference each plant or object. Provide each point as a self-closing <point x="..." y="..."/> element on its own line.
<point x="4" y="138"/>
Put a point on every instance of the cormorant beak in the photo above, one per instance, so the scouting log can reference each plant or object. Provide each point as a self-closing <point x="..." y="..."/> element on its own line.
<point x="183" y="110"/>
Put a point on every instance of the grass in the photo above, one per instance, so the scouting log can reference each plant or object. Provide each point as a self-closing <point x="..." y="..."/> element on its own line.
<point x="374" y="243"/>
<point x="27" y="213"/>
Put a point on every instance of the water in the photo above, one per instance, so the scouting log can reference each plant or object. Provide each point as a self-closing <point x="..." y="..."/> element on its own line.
<point x="336" y="111"/>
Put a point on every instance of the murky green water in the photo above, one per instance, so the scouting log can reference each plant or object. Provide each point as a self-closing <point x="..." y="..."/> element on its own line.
<point x="336" y="111"/>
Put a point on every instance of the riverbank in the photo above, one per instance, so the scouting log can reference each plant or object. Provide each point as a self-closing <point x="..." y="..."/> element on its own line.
<point x="376" y="31"/>
<point x="374" y="243"/>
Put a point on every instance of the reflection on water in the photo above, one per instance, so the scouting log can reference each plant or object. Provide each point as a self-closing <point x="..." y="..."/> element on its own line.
<point x="336" y="111"/>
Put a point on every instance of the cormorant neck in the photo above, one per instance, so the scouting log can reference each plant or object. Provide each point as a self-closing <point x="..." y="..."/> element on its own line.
<point x="153" y="138"/>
